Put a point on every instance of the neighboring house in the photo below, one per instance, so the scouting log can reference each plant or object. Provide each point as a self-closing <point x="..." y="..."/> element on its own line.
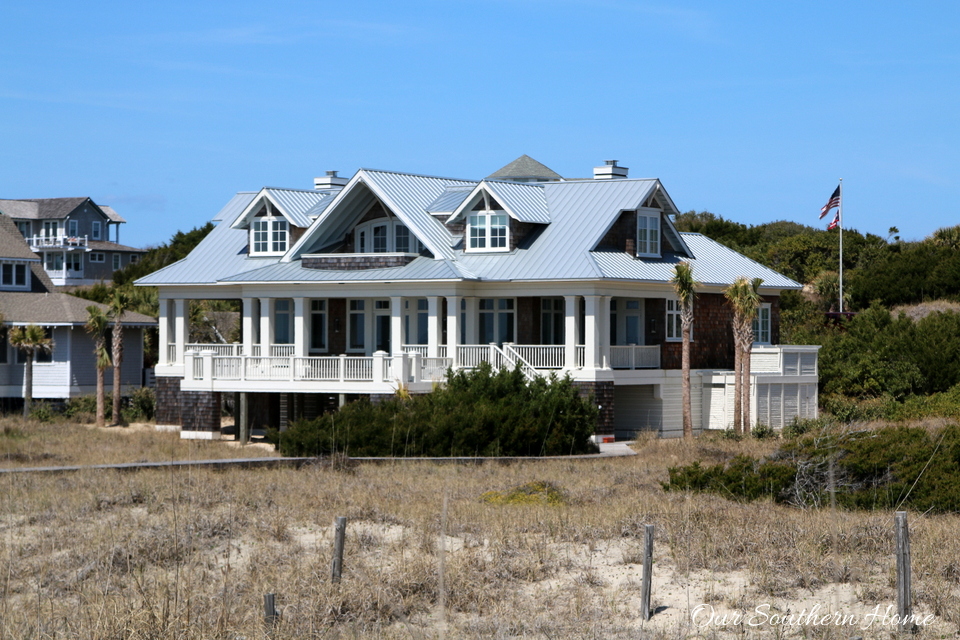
<point x="387" y="279"/>
<point x="27" y="296"/>
<point x="72" y="236"/>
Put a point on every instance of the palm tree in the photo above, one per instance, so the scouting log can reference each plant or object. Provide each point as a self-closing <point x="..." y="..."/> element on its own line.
<point x="97" y="323"/>
<point x="686" y="289"/>
<point x="744" y="297"/>
<point x="30" y="339"/>
<point x="119" y="303"/>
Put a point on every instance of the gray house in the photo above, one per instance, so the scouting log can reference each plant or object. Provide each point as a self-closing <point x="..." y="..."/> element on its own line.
<point x="388" y="279"/>
<point x="27" y="296"/>
<point x="72" y="237"/>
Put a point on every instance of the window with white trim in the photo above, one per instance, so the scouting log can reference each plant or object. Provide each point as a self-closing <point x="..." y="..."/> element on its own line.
<point x="496" y="320"/>
<point x="648" y="232"/>
<point x="674" y="323"/>
<point x="385" y="235"/>
<point x="95" y="230"/>
<point x="488" y="226"/>
<point x="761" y="324"/>
<point x="355" y="326"/>
<point x="75" y="262"/>
<point x="96" y="256"/>
<point x="116" y="261"/>
<point x="24" y="228"/>
<point x="268" y="235"/>
<point x="14" y="276"/>
<point x="73" y="228"/>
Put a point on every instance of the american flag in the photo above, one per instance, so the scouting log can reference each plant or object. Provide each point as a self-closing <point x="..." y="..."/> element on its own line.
<point x="834" y="201"/>
<point x="836" y="222"/>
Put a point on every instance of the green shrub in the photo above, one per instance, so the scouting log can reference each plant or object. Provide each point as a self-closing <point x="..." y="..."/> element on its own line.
<point x="763" y="432"/>
<point x="84" y="408"/>
<point x="474" y="413"/>
<point x="42" y="411"/>
<point x="141" y="405"/>
<point x="743" y="478"/>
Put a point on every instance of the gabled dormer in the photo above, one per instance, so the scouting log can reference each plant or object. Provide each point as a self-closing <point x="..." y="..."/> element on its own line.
<point x="646" y="231"/>
<point x="498" y="217"/>
<point x="276" y="218"/>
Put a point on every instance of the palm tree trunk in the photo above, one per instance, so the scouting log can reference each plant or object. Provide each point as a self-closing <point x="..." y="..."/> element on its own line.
<point x="685" y="385"/>
<point x="100" y="397"/>
<point x="745" y="386"/>
<point x="28" y="385"/>
<point x="117" y="362"/>
<point x="737" y="365"/>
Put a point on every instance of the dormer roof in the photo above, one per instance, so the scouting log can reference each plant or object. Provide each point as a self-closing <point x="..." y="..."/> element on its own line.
<point x="299" y="206"/>
<point x="524" y="202"/>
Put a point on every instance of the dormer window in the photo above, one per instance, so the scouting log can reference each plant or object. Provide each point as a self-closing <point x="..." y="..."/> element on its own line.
<point x="385" y="235"/>
<point x="488" y="227"/>
<point x="648" y="233"/>
<point x="269" y="235"/>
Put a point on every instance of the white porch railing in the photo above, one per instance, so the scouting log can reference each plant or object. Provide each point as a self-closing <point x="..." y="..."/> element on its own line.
<point x="41" y="242"/>
<point x="540" y="356"/>
<point x="415" y="348"/>
<point x="219" y="349"/>
<point x="434" y="368"/>
<point x="282" y="350"/>
<point x="635" y="356"/>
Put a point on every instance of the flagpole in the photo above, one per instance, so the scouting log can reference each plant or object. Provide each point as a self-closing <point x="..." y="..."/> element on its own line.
<point x="841" y="246"/>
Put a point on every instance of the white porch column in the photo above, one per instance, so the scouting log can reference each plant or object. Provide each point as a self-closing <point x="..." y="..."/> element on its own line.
<point x="471" y="320"/>
<point x="591" y="355"/>
<point x="180" y="327"/>
<point x="453" y="328"/>
<point x="396" y="324"/>
<point x="300" y="336"/>
<point x="266" y="326"/>
<point x="248" y="326"/>
<point x="570" y="332"/>
<point x="604" y="330"/>
<point x="433" y="326"/>
<point x="163" y="332"/>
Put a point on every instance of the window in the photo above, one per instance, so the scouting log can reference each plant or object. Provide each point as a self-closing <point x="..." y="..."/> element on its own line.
<point x="39" y="355"/>
<point x="268" y="234"/>
<point x="488" y="231"/>
<point x="116" y="261"/>
<point x="387" y="236"/>
<point x="95" y="230"/>
<point x="761" y="324"/>
<point x="496" y="319"/>
<point x="50" y="228"/>
<point x="75" y="262"/>
<point x="380" y="238"/>
<point x="13" y="275"/>
<point x="24" y="228"/>
<point x="355" y="340"/>
<point x="551" y="321"/>
<point x="318" y="325"/>
<point x="281" y="322"/>
<point x="648" y="232"/>
<point x="134" y="258"/>
<point x="73" y="228"/>
<point x="674" y="324"/>
<point x="97" y="257"/>
<point x="401" y="238"/>
<point x="54" y="262"/>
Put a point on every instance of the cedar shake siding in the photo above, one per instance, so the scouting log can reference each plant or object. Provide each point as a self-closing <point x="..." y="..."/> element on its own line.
<point x="712" y="344"/>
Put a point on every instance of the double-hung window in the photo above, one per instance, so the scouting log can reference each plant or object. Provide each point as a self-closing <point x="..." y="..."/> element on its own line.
<point x="674" y="324"/>
<point x="489" y="231"/>
<point x="761" y="324"/>
<point x="95" y="230"/>
<point x="648" y="232"/>
<point x="13" y="275"/>
<point x="268" y="235"/>
<point x="73" y="228"/>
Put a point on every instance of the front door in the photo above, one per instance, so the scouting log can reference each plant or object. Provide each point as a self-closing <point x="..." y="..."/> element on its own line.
<point x="381" y="326"/>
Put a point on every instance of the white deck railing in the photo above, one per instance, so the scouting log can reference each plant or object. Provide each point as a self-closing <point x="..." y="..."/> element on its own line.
<point x="635" y="356"/>
<point x="540" y="356"/>
<point x="40" y="242"/>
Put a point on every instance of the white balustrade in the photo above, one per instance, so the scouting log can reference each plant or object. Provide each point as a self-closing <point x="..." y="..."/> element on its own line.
<point x="633" y="356"/>
<point x="541" y="356"/>
<point x="415" y="348"/>
<point x="282" y="350"/>
<point x="434" y="368"/>
<point x="358" y="369"/>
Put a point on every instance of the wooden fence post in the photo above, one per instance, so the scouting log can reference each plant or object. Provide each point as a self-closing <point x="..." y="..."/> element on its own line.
<point x="270" y="614"/>
<point x="340" y="529"/>
<point x="902" y="535"/>
<point x="647" y="582"/>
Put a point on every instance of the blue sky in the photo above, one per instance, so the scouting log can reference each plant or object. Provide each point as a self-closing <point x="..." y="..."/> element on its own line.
<point x="752" y="110"/>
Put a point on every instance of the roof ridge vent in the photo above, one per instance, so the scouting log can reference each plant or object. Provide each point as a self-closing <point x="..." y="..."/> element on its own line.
<point x="610" y="171"/>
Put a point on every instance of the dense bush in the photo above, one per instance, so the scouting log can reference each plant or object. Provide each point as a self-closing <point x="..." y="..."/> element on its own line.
<point x="474" y="413"/>
<point x="889" y="468"/>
